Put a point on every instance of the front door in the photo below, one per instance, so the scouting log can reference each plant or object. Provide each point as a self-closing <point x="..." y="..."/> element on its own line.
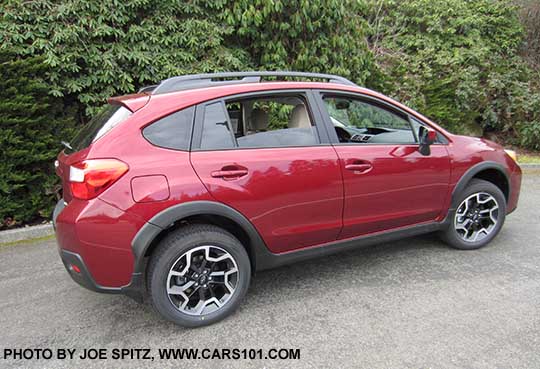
<point x="264" y="157"/>
<point x="387" y="183"/>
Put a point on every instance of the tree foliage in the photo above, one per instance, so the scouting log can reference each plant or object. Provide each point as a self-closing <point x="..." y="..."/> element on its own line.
<point x="316" y="36"/>
<point x="468" y="65"/>
<point x="458" y="62"/>
<point x="33" y="123"/>
<point x="530" y="17"/>
<point x="97" y="49"/>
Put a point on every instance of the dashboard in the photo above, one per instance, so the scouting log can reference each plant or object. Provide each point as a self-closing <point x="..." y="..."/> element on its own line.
<point x="374" y="135"/>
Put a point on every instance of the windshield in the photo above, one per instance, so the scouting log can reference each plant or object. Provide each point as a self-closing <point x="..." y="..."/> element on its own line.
<point x="102" y="123"/>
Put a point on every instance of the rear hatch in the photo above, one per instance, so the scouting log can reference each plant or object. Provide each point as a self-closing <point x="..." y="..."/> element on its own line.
<point x="77" y="149"/>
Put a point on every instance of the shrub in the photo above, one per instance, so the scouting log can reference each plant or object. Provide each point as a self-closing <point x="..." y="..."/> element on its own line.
<point x="530" y="17"/>
<point x="317" y="36"/>
<point x="456" y="61"/>
<point x="32" y="124"/>
<point x="98" y="49"/>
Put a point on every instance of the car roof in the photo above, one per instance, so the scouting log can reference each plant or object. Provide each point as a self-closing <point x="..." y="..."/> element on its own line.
<point x="191" y="81"/>
<point x="184" y="98"/>
<point x="166" y="103"/>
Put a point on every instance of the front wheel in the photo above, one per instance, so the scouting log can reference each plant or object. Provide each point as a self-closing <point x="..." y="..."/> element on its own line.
<point x="198" y="275"/>
<point x="478" y="218"/>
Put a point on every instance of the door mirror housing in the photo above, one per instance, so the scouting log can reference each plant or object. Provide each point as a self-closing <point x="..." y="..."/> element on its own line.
<point x="427" y="137"/>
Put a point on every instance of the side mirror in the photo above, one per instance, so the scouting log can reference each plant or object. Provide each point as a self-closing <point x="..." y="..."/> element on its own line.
<point x="427" y="137"/>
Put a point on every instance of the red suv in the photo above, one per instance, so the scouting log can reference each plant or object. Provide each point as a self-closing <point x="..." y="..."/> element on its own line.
<point x="181" y="192"/>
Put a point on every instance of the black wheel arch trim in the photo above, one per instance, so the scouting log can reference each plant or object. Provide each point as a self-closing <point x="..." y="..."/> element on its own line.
<point x="167" y="217"/>
<point x="473" y="171"/>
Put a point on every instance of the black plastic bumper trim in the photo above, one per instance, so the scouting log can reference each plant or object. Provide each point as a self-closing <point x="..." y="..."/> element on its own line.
<point x="84" y="278"/>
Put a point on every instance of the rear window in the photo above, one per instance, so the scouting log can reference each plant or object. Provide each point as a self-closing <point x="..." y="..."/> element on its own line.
<point x="98" y="126"/>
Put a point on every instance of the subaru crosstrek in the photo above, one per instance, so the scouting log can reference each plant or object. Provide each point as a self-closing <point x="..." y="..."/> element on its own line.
<point x="179" y="193"/>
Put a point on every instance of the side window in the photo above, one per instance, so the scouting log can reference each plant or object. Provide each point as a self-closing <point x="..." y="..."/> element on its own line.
<point x="358" y="121"/>
<point x="273" y="121"/>
<point x="171" y="132"/>
<point x="216" y="133"/>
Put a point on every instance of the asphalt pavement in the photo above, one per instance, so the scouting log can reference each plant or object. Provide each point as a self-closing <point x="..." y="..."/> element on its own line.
<point x="414" y="303"/>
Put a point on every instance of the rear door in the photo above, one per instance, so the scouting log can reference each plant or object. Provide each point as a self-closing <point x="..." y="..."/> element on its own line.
<point x="387" y="182"/>
<point x="268" y="156"/>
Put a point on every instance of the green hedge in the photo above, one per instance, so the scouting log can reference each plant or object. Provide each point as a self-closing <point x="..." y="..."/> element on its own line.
<point x="97" y="49"/>
<point x="32" y="123"/>
<point x="457" y="61"/>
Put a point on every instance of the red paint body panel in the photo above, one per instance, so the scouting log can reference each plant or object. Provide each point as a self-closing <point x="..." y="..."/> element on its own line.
<point x="132" y="102"/>
<point x="465" y="152"/>
<point x="402" y="188"/>
<point x="150" y="188"/>
<point x="294" y="197"/>
<point x="101" y="234"/>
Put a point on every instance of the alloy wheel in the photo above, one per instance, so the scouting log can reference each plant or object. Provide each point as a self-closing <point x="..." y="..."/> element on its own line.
<point x="202" y="280"/>
<point x="476" y="217"/>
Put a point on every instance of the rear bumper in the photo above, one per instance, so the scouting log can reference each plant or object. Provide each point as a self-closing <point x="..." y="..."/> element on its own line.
<point x="93" y="243"/>
<point x="71" y="261"/>
<point x="135" y="289"/>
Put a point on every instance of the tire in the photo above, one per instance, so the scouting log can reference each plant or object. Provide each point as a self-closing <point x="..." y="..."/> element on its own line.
<point x="197" y="242"/>
<point x="476" y="191"/>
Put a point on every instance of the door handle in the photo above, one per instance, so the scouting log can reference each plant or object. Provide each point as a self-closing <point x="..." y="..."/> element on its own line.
<point x="230" y="172"/>
<point x="361" y="167"/>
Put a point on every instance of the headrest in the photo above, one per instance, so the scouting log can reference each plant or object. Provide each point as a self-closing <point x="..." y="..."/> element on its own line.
<point x="259" y="120"/>
<point x="299" y="117"/>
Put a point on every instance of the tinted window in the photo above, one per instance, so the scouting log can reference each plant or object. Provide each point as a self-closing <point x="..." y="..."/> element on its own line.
<point x="173" y="131"/>
<point x="216" y="133"/>
<point x="103" y="122"/>
<point x="277" y="121"/>
<point x="358" y="121"/>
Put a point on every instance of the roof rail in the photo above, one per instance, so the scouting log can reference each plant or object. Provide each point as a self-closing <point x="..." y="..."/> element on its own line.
<point x="191" y="81"/>
<point x="148" y="89"/>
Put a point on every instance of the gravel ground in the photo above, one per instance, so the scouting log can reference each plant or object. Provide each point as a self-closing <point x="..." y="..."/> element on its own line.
<point x="410" y="304"/>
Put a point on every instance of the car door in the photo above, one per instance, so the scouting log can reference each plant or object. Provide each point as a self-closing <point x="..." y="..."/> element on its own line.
<point x="388" y="183"/>
<point x="268" y="156"/>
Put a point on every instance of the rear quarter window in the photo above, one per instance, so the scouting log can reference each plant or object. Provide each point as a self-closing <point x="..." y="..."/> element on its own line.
<point x="172" y="131"/>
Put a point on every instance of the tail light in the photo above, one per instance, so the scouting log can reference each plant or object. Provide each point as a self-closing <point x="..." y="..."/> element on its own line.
<point x="89" y="178"/>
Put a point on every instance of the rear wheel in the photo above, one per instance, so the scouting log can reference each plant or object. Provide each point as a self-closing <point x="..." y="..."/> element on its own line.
<point x="198" y="275"/>
<point x="478" y="218"/>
